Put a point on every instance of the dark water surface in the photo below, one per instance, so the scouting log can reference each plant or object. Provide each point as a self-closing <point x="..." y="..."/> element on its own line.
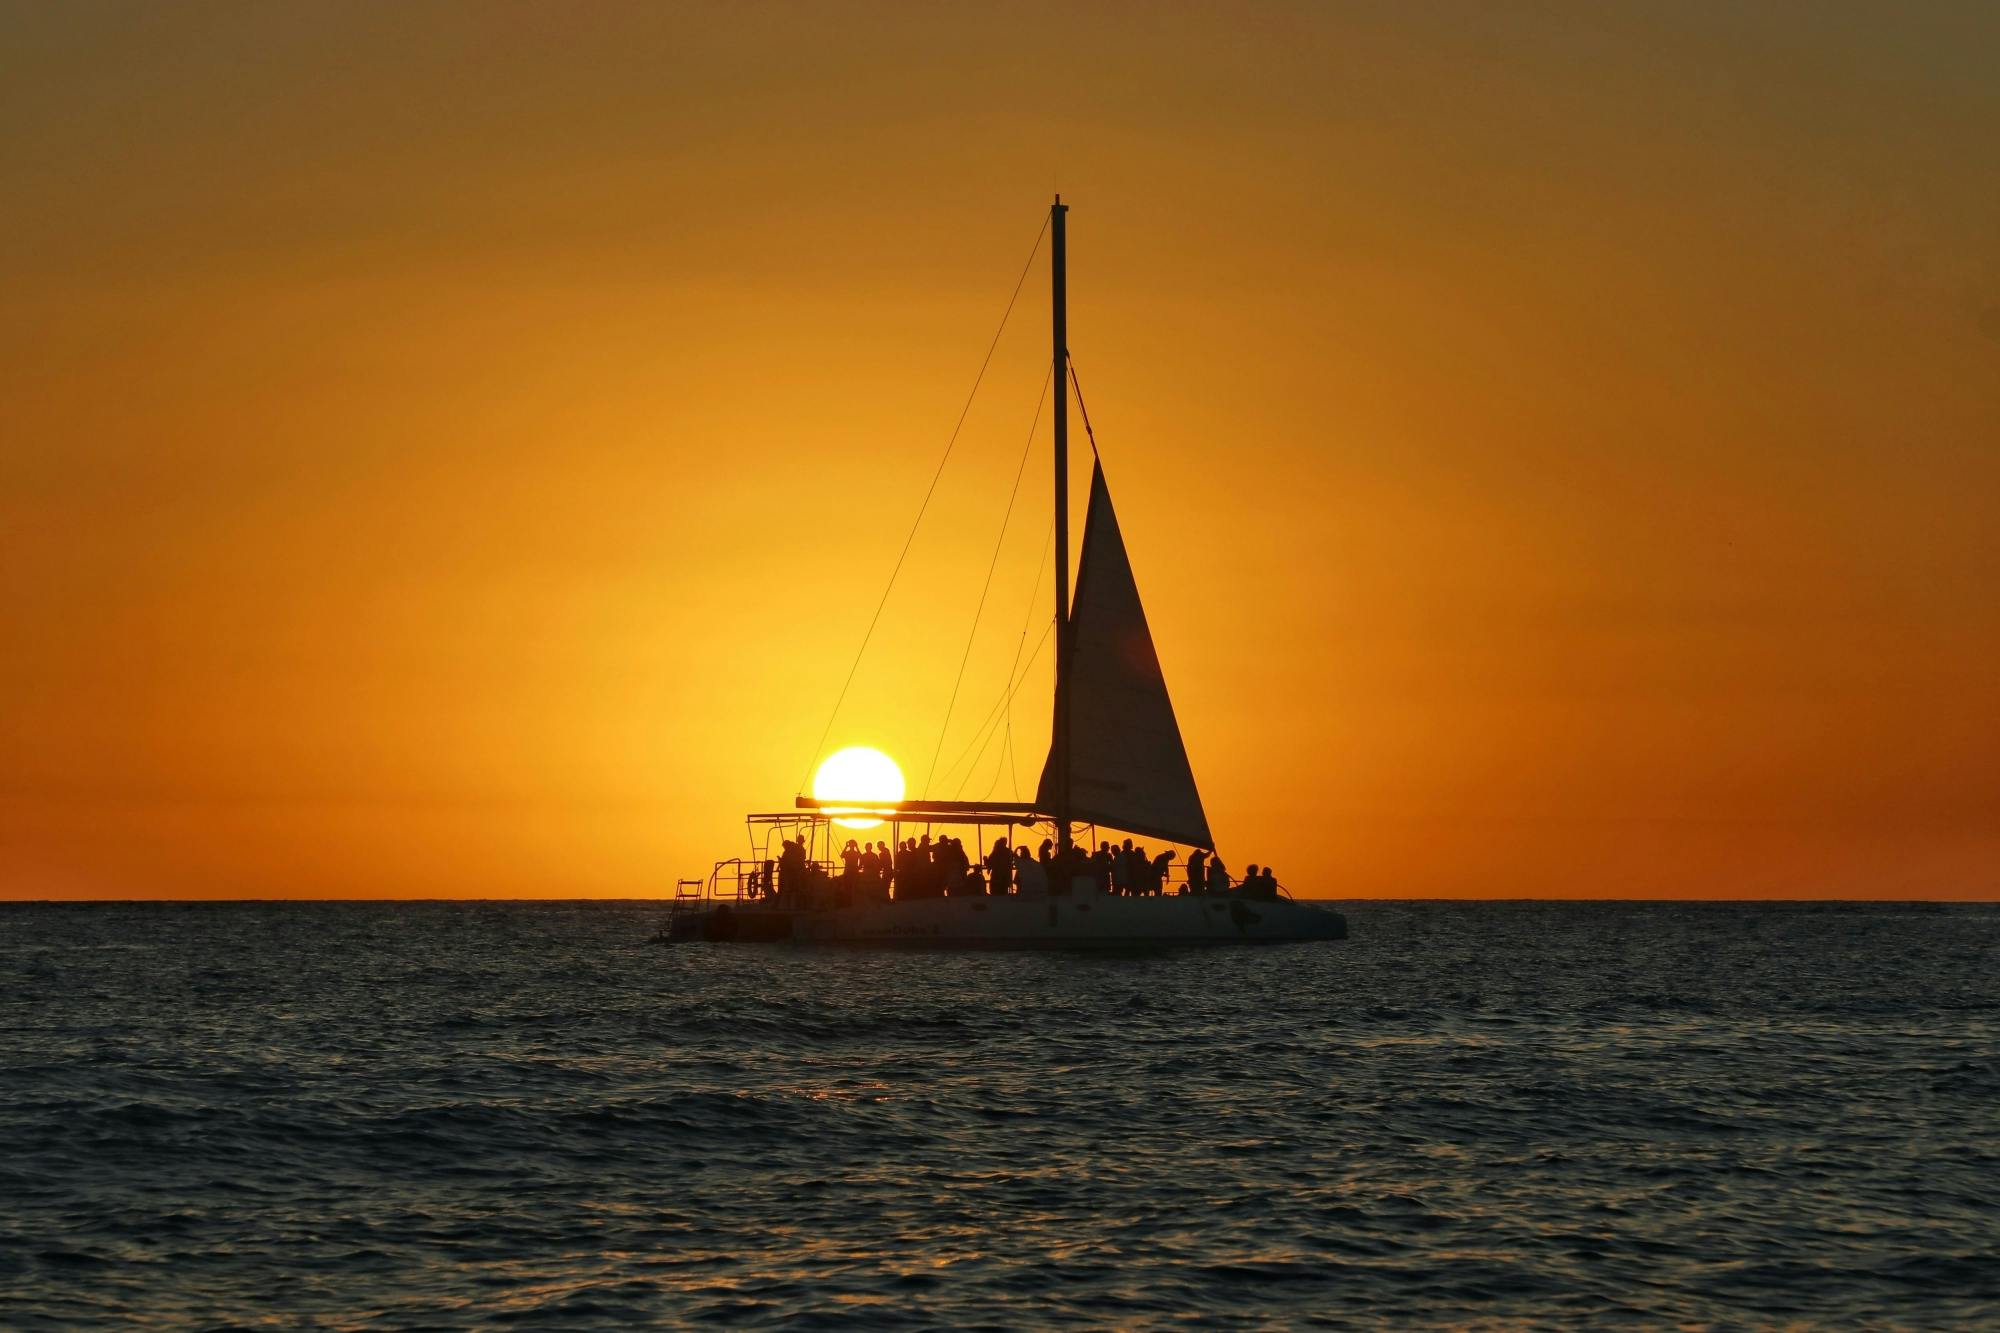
<point x="451" y="1116"/>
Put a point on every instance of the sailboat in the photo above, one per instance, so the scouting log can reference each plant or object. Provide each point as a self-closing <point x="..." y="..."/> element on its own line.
<point x="1116" y="761"/>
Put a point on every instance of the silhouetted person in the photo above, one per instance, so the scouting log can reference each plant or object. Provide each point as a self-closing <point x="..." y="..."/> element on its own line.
<point x="1031" y="878"/>
<point x="1218" y="876"/>
<point x="1063" y="868"/>
<point x="941" y="867"/>
<point x="950" y="873"/>
<point x="963" y="869"/>
<point x="792" y="868"/>
<point x="1000" y="864"/>
<point x="1157" y="879"/>
<point x="1100" y="867"/>
<point x="1197" y="872"/>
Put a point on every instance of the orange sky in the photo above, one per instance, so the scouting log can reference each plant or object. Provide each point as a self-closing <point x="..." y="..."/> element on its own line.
<point x="453" y="450"/>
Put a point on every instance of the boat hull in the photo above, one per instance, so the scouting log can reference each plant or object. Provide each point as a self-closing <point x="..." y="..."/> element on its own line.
<point x="1085" y="922"/>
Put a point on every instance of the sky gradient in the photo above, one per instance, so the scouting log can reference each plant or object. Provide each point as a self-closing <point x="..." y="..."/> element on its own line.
<point x="454" y="450"/>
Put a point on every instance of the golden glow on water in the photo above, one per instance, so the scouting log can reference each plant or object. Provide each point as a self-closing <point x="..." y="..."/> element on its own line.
<point x="862" y="774"/>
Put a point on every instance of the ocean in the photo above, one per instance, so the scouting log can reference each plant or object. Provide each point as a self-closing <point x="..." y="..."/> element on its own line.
<point x="446" y="1116"/>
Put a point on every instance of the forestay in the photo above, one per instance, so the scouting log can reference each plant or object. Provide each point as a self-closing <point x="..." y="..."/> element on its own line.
<point x="1128" y="766"/>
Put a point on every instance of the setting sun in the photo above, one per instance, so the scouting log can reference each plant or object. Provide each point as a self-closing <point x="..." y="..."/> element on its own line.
<point x="862" y="774"/>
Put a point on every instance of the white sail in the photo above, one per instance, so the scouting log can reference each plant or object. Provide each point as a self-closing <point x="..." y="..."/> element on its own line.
<point x="1128" y="766"/>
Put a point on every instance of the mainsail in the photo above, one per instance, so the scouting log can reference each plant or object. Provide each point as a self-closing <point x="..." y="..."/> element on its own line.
<point x="1128" y="767"/>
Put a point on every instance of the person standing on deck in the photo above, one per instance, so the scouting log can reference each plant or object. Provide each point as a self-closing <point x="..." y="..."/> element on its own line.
<point x="944" y="867"/>
<point x="792" y="871"/>
<point x="1029" y="874"/>
<point x="1121" y="868"/>
<point x="1218" y="876"/>
<point x="1000" y="862"/>
<point x="900" y="871"/>
<point x="1197" y="872"/>
<point x="1100" y="867"/>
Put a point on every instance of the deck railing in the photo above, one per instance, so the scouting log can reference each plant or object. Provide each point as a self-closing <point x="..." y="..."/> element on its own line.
<point x="743" y="879"/>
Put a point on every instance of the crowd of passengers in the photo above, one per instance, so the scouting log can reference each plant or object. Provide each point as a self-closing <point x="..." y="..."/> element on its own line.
<point x="922" y="868"/>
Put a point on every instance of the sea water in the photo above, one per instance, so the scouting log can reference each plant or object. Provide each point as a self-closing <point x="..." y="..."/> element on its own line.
<point x="456" y="1116"/>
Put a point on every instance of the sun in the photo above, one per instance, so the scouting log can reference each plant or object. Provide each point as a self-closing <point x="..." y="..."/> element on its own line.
<point x="862" y="774"/>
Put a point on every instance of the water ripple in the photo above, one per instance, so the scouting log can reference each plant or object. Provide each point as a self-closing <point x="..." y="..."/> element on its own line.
<point x="442" y="1116"/>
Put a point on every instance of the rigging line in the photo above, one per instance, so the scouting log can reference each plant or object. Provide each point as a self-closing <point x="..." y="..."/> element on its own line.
<point x="1012" y="687"/>
<point x="991" y="565"/>
<point x="1089" y="434"/>
<point x="991" y="724"/>
<point x="1007" y="760"/>
<point x="984" y="735"/>
<point x="875" y="619"/>
<point x="1013" y="774"/>
<point x="972" y="769"/>
<point x="1027" y="619"/>
<point x="998" y="764"/>
<point x="1007" y="699"/>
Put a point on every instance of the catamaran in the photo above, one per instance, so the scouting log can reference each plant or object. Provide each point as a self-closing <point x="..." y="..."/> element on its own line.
<point x="1116" y="761"/>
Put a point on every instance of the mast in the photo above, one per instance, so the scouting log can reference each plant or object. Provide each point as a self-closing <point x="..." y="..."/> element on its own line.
<point x="1059" y="746"/>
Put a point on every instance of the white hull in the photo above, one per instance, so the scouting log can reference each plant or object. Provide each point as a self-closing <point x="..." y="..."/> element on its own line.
<point x="1087" y="922"/>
